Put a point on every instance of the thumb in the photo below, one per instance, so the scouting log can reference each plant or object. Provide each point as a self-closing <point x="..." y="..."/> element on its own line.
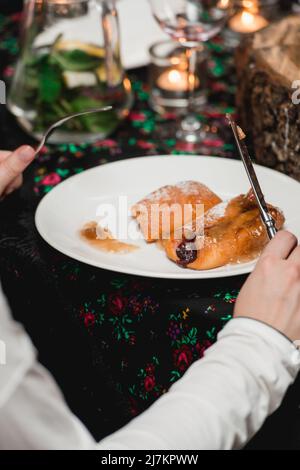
<point x="14" y="165"/>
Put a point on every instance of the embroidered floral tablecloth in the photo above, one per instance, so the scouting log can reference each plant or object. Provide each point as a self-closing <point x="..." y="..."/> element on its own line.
<point x="115" y="343"/>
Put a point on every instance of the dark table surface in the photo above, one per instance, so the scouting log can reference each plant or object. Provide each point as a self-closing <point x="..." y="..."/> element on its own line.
<point x="116" y="342"/>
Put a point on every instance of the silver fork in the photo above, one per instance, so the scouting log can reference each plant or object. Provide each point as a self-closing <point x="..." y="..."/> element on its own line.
<point x="62" y="121"/>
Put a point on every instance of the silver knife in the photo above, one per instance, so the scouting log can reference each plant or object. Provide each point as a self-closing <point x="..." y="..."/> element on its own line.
<point x="264" y="211"/>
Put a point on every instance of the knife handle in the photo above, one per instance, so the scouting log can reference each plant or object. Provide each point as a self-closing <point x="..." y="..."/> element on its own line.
<point x="270" y="226"/>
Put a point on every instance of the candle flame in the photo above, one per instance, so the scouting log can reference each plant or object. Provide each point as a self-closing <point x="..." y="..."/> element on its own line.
<point x="174" y="76"/>
<point x="223" y="4"/>
<point x="247" y="18"/>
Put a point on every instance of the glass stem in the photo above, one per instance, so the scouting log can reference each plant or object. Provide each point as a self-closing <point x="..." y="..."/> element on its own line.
<point x="110" y="25"/>
<point x="191" y="55"/>
<point x="190" y="124"/>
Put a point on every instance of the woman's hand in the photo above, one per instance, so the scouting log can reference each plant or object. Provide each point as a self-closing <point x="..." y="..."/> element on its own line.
<point x="12" y="165"/>
<point x="272" y="292"/>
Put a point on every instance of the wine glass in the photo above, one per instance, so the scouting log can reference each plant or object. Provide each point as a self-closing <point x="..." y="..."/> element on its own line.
<point x="191" y="23"/>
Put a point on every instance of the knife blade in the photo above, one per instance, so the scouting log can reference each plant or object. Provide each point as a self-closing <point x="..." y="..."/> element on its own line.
<point x="247" y="161"/>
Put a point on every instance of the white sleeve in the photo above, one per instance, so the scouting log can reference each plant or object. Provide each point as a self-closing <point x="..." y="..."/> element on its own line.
<point x="33" y="412"/>
<point x="223" y="399"/>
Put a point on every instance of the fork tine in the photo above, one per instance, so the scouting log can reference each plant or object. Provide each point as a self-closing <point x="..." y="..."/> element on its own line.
<point x="57" y="124"/>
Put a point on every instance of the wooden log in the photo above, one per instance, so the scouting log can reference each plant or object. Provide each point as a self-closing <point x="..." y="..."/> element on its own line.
<point x="268" y="64"/>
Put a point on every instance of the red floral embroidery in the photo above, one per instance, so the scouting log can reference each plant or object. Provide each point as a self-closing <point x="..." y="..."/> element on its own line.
<point x="135" y="305"/>
<point x="149" y="383"/>
<point x="89" y="320"/>
<point x="17" y="16"/>
<point x="133" y="406"/>
<point x="183" y="357"/>
<point x="132" y="340"/>
<point x="51" y="180"/>
<point x="106" y="143"/>
<point x="150" y="369"/>
<point x="8" y="72"/>
<point x="145" y="145"/>
<point x="185" y="146"/>
<point x="213" y="143"/>
<point x="117" y="304"/>
<point x="136" y="116"/>
<point x="202" y="347"/>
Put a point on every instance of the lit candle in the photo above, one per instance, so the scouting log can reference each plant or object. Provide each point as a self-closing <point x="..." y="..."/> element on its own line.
<point x="175" y="80"/>
<point x="248" y="20"/>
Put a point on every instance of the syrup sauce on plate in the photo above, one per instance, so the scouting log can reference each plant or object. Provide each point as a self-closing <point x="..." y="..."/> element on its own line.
<point x="107" y="243"/>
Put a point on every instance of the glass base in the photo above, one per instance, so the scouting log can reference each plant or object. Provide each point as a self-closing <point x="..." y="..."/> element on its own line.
<point x="163" y="103"/>
<point x="188" y="135"/>
<point x="190" y="130"/>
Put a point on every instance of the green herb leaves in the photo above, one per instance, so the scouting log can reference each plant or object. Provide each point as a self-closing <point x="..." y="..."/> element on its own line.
<point x="50" y="83"/>
<point x="54" y="90"/>
<point x="75" y="60"/>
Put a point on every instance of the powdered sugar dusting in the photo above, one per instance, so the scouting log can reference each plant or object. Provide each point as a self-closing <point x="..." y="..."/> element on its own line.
<point x="192" y="188"/>
<point x="216" y="212"/>
<point x="184" y="188"/>
<point x="162" y="193"/>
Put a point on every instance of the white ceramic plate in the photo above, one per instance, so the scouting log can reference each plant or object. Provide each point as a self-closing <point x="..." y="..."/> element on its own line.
<point x="74" y="202"/>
